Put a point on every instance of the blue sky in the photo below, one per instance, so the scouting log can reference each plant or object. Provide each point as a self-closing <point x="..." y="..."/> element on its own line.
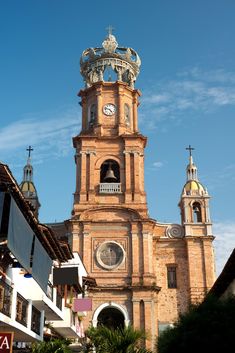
<point x="187" y="81"/>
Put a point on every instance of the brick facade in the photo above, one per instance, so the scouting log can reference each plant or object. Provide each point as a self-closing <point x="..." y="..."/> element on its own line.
<point x="128" y="253"/>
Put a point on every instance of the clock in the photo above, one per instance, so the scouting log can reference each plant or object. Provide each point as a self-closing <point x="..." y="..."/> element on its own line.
<point x="109" y="109"/>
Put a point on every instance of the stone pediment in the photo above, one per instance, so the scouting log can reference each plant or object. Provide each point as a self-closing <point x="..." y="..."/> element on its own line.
<point x="110" y="214"/>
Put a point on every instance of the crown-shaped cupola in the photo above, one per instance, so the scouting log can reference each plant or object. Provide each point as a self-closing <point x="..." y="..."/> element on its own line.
<point x="95" y="62"/>
<point x="109" y="100"/>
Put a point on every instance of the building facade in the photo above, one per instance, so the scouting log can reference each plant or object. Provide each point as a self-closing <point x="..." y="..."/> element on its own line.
<point x="147" y="272"/>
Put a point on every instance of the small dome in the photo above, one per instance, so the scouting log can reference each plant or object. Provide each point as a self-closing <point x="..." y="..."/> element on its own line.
<point x="27" y="186"/>
<point x="193" y="186"/>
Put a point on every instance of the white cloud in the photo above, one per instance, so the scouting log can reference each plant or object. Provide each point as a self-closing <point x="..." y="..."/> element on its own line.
<point x="192" y="90"/>
<point x="224" y="243"/>
<point x="157" y="164"/>
<point x="48" y="132"/>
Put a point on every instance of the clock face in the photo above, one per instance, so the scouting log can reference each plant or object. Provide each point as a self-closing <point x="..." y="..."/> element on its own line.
<point x="109" y="109"/>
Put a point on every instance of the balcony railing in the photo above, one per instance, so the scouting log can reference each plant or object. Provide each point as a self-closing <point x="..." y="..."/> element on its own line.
<point x="110" y="188"/>
<point x="36" y="318"/>
<point x="5" y="298"/>
<point x="21" y="310"/>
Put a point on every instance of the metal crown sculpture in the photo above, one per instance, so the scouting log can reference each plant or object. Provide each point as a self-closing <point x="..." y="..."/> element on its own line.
<point x="125" y="62"/>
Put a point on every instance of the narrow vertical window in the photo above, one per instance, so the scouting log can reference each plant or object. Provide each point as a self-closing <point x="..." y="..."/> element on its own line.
<point x="171" y="277"/>
<point x="92" y="116"/>
<point x="127" y="114"/>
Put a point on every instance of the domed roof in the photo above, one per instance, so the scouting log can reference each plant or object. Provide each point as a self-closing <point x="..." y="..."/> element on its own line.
<point x="194" y="186"/>
<point x="28" y="186"/>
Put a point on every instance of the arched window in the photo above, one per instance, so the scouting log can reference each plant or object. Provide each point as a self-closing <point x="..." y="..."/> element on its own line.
<point x="197" y="212"/>
<point x="92" y="115"/>
<point x="110" y="172"/>
<point x="127" y="113"/>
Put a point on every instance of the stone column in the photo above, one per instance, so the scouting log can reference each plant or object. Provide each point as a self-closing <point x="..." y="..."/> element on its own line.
<point x="135" y="258"/>
<point x="207" y="212"/>
<point x="136" y="175"/>
<point x="88" y="250"/>
<point x="120" y="106"/>
<point x="83" y="191"/>
<point x="136" y="313"/>
<point x="151" y="320"/>
<point x="92" y="181"/>
<point x="99" y="105"/>
<point x="146" y="253"/>
<point x="135" y="113"/>
<point x="78" y="171"/>
<point x="208" y="262"/>
<point x="127" y="176"/>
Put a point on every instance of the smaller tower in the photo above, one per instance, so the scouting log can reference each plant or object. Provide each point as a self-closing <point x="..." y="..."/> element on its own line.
<point x="195" y="217"/>
<point x="194" y="202"/>
<point x="27" y="186"/>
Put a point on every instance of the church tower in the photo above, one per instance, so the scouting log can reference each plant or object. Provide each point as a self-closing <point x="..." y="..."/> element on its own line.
<point x="27" y="185"/>
<point x="141" y="266"/>
<point x="195" y="217"/>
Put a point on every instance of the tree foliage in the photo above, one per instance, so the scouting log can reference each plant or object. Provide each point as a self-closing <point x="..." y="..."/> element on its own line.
<point x="208" y="327"/>
<point x="52" y="346"/>
<point x="106" y="340"/>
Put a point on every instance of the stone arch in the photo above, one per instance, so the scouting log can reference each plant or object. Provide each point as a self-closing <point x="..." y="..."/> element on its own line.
<point x="102" y="159"/>
<point x="115" y="213"/>
<point x="107" y="167"/>
<point x="110" y="305"/>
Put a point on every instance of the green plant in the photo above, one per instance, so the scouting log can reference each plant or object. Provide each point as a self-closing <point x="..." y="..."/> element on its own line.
<point x="52" y="346"/>
<point x="121" y="340"/>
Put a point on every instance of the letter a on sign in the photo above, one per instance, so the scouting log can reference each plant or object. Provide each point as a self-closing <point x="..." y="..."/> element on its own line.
<point x="6" y="340"/>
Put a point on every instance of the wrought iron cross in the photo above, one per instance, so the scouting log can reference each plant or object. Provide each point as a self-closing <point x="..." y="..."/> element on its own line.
<point x="29" y="149"/>
<point x="190" y="149"/>
<point x="110" y="29"/>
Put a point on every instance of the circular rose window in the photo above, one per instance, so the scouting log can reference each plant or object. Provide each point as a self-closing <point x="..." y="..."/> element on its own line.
<point x="110" y="255"/>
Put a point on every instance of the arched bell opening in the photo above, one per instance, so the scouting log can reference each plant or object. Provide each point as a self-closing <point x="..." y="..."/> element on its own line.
<point x="197" y="212"/>
<point x="110" y="172"/>
<point x="111" y="318"/>
<point x="109" y="75"/>
<point x="127" y="114"/>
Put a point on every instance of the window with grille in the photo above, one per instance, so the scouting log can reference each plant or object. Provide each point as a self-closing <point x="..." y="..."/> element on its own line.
<point x="171" y="277"/>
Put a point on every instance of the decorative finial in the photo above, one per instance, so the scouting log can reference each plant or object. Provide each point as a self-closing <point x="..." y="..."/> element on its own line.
<point x="29" y="149"/>
<point x="28" y="169"/>
<point x="191" y="168"/>
<point x="190" y="149"/>
<point x="110" y="29"/>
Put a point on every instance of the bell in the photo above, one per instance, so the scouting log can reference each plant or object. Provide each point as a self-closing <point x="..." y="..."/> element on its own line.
<point x="196" y="209"/>
<point x="110" y="177"/>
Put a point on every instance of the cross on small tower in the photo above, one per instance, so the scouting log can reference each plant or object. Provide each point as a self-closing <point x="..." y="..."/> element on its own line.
<point x="29" y="149"/>
<point x="190" y="149"/>
<point x="109" y="29"/>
